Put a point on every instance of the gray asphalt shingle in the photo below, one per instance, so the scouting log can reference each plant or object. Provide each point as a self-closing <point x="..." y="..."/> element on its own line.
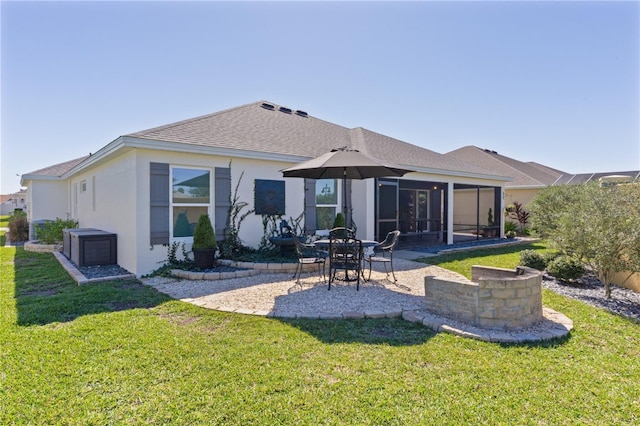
<point x="58" y="169"/>
<point x="255" y="128"/>
<point x="523" y="174"/>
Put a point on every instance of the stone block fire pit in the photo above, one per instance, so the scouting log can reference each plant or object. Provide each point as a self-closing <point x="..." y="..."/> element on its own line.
<point x="495" y="298"/>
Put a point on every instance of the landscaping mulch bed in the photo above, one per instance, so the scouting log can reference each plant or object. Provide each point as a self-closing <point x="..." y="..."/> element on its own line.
<point x="590" y="290"/>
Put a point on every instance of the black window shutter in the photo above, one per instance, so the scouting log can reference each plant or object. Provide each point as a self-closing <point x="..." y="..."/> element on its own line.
<point x="222" y="200"/>
<point x="159" y="190"/>
<point x="310" y="206"/>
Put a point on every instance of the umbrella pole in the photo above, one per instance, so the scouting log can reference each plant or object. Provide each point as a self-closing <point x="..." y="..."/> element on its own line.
<point x="344" y="191"/>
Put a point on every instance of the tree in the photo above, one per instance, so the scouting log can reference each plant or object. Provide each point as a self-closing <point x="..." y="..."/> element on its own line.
<point x="601" y="226"/>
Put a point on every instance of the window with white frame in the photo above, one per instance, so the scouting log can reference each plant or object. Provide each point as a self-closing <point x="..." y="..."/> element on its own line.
<point x="326" y="203"/>
<point x="190" y="198"/>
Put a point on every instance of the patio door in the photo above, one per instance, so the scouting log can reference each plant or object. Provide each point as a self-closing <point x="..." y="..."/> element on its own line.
<point x="387" y="208"/>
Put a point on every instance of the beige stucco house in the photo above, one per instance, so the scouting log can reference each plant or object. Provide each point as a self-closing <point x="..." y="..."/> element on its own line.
<point x="149" y="187"/>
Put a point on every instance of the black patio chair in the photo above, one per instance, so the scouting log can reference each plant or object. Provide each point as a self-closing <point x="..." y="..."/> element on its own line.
<point x="386" y="248"/>
<point x="345" y="255"/>
<point x="342" y="232"/>
<point x="309" y="255"/>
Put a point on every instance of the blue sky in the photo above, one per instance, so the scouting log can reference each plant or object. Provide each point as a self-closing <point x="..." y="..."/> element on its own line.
<point x="551" y="82"/>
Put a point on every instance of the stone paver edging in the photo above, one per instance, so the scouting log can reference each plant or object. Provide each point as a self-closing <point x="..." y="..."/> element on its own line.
<point x="249" y="269"/>
<point x="79" y="276"/>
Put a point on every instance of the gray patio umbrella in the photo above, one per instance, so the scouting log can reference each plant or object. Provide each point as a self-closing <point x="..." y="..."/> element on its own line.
<point x="343" y="163"/>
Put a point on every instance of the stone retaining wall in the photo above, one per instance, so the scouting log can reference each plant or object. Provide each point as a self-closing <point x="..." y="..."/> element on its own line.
<point x="496" y="298"/>
<point x="251" y="269"/>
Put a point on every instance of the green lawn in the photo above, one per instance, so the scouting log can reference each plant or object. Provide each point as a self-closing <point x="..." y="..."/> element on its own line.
<point x="501" y="257"/>
<point x="4" y="223"/>
<point x="121" y="353"/>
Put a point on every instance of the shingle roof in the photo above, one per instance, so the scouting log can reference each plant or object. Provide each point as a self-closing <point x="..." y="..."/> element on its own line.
<point x="58" y="169"/>
<point x="6" y="197"/>
<point x="524" y="174"/>
<point x="266" y="127"/>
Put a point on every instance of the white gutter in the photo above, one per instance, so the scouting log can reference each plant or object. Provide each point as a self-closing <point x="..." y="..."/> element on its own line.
<point x="527" y="187"/>
<point x="460" y="174"/>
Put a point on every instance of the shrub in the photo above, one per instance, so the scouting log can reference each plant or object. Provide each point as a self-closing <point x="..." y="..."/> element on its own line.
<point x="532" y="259"/>
<point x="510" y="227"/>
<point x="510" y="234"/>
<point x="18" y="226"/>
<point x="173" y="262"/>
<point x="339" y="221"/>
<point x="551" y="256"/>
<point x="566" y="268"/>
<point x="204" y="237"/>
<point x="51" y="231"/>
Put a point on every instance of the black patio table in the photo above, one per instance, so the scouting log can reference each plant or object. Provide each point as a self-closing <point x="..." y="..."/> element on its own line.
<point x="366" y="244"/>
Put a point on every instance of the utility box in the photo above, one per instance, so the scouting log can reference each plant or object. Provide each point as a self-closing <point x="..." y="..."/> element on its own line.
<point x="89" y="247"/>
<point x="66" y="239"/>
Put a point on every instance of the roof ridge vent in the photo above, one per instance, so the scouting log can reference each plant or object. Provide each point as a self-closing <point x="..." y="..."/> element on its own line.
<point x="268" y="106"/>
<point x="285" y="110"/>
<point x="302" y="113"/>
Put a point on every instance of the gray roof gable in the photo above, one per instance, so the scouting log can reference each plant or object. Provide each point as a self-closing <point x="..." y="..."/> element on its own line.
<point x="269" y="128"/>
<point x="253" y="127"/>
<point x="524" y="174"/>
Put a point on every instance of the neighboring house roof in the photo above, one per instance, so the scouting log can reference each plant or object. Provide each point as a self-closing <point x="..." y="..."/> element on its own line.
<point x="54" y="171"/>
<point x="268" y="128"/>
<point x="17" y="198"/>
<point x="568" y="179"/>
<point x="529" y="174"/>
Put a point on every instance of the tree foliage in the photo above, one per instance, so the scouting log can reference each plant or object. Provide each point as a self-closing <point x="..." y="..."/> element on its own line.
<point x="600" y="226"/>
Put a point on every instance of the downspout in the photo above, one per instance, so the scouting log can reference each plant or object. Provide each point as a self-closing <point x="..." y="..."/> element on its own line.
<point x="450" y="213"/>
<point x="477" y="212"/>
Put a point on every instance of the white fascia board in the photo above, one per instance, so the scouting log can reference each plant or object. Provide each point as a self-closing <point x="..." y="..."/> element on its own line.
<point x="456" y="173"/>
<point x="526" y="187"/>
<point x="27" y="177"/>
